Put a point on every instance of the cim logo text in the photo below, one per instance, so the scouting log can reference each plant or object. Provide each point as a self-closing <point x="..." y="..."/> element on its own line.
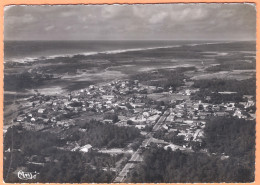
<point x="27" y="175"/>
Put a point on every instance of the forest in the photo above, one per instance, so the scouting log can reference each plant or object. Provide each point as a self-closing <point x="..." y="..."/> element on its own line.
<point x="243" y="87"/>
<point x="46" y="153"/>
<point x="163" y="77"/>
<point x="99" y="134"/>
<point x="211" y="87"/>
<point x="232" y="66"/>
<point x="231" y="137"/>
<point x="24" y="80"/>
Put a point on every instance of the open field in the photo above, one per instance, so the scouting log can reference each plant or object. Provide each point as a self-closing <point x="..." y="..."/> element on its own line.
<point x="235" y="74"/>
<point x="167" y="97"/>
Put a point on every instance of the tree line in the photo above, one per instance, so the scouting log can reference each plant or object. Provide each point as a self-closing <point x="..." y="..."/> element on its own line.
<point x="231" y="138"/>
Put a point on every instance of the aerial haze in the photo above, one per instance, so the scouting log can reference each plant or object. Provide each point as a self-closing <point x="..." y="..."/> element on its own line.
<point x="205" y="21"/>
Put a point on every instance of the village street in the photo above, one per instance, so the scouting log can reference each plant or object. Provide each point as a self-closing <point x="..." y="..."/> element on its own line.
<point x="136" y="156"/>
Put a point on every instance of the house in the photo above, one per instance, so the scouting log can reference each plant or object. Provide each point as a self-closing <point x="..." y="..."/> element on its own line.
<point x="204" y="114"/>
<point x="227" y="92"/>
<point x="30" y="115"/>
<point x="165" y="127"/>
<point x="188" y="137"/>
<point x="136" y="81"/>
<point x="75" y="99"/>
<point x="170" y="118"/>
<point x="202" y="117"/>
<point x="85" y="148"/>
<point x="243" y="103"/>
<point x="189" y="104"/>
<point x="20" y="119"/>
<point x="146" y="114"/>
<point x="46" y="120"/>
<point x="215" y="108"/>
<point x="249" y="97"/>
<point x="108" y="97"/>
<point x="173" y="130"/>
<point x="239" y="114"/>
<point x="137" y="105"/>
<point x="53" y="119"/>
<point x="153" y="118"/>
<point x="179" y="115"/>
<point x="250" y="104"/>
<point x="188" y="92"/>
<point x="173" y="147"/>
<point x="59" y="123"/>
<point x="179" y="120"/>
<point x="138" y="110"/>
<point x="230" y="106"/>
<point x="108" y="121"/>
<point x="221" y="114"/>
<point x="188" y="121"/>
<point x="138" y="119"/>
<point x="140" y="126"/>
<point x="196" y="106"/>
<point x="41" y="111"/>
<point x="208" y="98"/>
<point x="151" y="89"/>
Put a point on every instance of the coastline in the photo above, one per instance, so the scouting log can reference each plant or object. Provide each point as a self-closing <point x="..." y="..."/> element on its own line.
<point x="116" y="51"/>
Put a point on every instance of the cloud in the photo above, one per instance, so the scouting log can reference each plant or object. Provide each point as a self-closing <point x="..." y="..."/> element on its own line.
<point x="28" y="18"/>
<point x="153" y="21"/>
<point x="68" y="28"/>
<point x="189" y="14"/>
<point x="48" y="28"/>
<point x="158" y="17"/>
<point x="67" y="14"/>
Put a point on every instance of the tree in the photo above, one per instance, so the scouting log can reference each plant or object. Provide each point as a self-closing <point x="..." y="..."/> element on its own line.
<point x="130" y="122"/>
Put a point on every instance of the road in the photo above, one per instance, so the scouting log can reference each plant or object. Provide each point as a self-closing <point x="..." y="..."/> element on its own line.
<point x="122" y="175"/>
<point x="136" y="157"/>
<point x="160" y="121"/>
<point x="196" y="134"/>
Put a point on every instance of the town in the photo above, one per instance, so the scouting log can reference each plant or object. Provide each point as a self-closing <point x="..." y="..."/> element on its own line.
<point x="157" y="112"/>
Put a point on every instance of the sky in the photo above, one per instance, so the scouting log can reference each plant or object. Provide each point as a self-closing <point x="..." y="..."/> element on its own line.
<point x="202" y="21"/>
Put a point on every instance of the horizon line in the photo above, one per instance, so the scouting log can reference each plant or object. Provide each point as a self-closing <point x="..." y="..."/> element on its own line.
<point x="136" y="40"/>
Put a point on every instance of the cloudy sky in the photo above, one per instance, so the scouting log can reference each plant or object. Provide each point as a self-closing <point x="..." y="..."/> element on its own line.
<point x="131" y="22"/>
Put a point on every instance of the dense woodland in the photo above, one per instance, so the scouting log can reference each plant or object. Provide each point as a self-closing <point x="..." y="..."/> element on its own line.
<point x="59" y="165"/>
<point x="105" y="135"/>
<point x="211" y="87"/>
<point x="230" y="137"/>
<point x="24" y="80"/>
<point x="245" y="87"/>
<point x="164" y="78"/>
<point x="232" y="66"/>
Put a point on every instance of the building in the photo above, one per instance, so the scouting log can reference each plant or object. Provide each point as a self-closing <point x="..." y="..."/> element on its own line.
<point x="41" y="111"/>
<point x="221" y="114"/>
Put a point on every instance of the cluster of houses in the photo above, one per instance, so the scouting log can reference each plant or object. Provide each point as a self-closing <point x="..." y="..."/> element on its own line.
<point x="188" y="117"/>
<point x="128" y="100"/>
<point x="114" y="97"/>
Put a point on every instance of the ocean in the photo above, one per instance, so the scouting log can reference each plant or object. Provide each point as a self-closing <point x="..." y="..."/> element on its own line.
<point x="26" y="51"/>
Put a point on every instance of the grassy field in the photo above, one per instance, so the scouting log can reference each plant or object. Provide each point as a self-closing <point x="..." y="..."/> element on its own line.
<point x="167" y="97"/>
<point x="235" y="74"/>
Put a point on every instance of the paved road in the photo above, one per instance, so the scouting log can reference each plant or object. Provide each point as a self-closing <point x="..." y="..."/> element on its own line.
<point x="122" y="175"/>
<point x="160" y="121"/>
<point x="136" y="157"/>
<point x="196" y="134"/>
